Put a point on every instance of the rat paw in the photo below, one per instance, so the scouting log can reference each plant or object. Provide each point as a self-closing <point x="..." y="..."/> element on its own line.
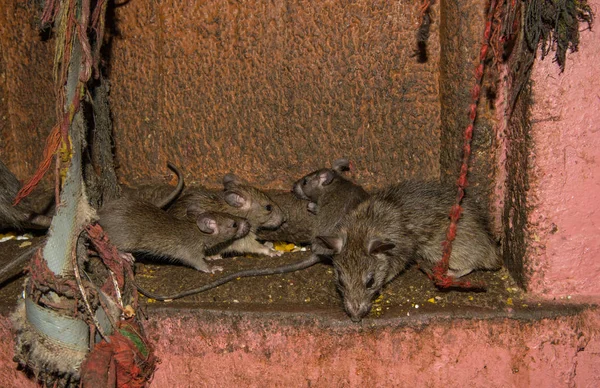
<point x="459" y="273"/>
<point x="215" y="269"/>
<point x="204" y="267"/>
<point x="274" y="253"/>
<point x="213" y="257"/>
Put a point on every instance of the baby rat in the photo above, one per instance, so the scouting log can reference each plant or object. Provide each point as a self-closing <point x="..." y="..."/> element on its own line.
<point x="399" y="225"/>
<point x="299" y="224"/>
<point x="17" y="217"/>
<point x="301" y="216"/>
<point x="331" y="197"/>
<point x="159" y="195"/>
<point x="139" y="226"/>
<point x="296" y="209"/>
<point x="239" y="199"/>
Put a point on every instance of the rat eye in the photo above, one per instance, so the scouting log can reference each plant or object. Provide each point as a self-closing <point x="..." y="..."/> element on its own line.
<point x="234" y="224"/>
<point x="304" y="182"/>
<point x="370" y="282"/>
<point x="269" y="208"/>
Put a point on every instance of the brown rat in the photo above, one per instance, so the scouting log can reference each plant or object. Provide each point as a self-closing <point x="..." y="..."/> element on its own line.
<point x="296" y="208"/>
<point x="139" y="226"/>
<point x="400" y="225"/>
<point x="301" y="216"/>
<point x="239" y="199"/>
<point x="19" y="216"/>
<point x="299" y="224"/>
<point x="160" y="195"/>
<point x="331" y="196"/>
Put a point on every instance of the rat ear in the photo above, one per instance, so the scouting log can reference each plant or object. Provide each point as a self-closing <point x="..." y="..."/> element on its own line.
<point x="207" y="224"/>
<point x="235" y="199"/>
<point x="341" y="165"/>
<point x="325" y="177"/>
<point x="375" y="246"/>
<point x="193" y="211"/>
<point x="334" y="243"/>
<point x="230" y="180"/>
<point x="312" y="207"/>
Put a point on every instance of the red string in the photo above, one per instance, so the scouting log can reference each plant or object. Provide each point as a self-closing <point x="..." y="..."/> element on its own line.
<point x="440" y="270"/>
<point x="52" y="143"/>
<point x="424" y="8"/>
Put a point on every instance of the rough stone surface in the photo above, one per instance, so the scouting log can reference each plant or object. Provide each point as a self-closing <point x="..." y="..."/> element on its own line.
<point x="227" y="349"/>
<point x="27" y="107"/>
<point x="272" y="90"/>
<point x="564" y="249"/>
<point x="513" y="203"/>
<point x="513" y="143"/>
<point x="461" y="37"/>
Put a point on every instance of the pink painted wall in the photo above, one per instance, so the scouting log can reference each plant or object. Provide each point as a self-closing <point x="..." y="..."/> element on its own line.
<point x="565" y="192"/>
<point x="251" y="351"/>
<point x="206" y="349"/>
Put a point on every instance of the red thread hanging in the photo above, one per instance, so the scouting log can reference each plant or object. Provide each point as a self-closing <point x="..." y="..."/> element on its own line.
<point x="440" y="270"/>
<point x="52" y="144"/>
<point x="60" y="131"/>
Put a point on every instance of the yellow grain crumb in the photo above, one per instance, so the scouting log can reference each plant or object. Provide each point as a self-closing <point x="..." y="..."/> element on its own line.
<point x="283" y="246"/>
<point x="7" y="236"/>
<point x="509" y="301"/>
<point x="25" y="244"/>
<point x="431" y="300"/>
<point x="129" y="312"/>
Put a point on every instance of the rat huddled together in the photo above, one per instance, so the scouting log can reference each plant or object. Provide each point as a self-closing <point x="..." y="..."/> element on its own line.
<point x="370" y="238"/>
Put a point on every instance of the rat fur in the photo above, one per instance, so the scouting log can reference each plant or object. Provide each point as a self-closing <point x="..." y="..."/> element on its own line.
<point x="400" y="225"/>
<point x="20" y="216"/>
<point x="241" y="200"/>
<point x="160" y="195"/>
<point x="139" y="226"/>
<point x="331" y="197"/>
<point x="300" y="222"/>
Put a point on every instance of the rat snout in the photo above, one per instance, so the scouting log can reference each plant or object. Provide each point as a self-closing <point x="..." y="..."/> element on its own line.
<point x="275" y="221"/>
<point x="357" y="310"/>
<point x="243" y="229"/>
<point x="297" y="190"/>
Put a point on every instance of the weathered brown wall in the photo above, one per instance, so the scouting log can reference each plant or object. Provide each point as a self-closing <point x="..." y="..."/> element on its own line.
<point x="514" y="239"/>
<point x="271" y="90"/>
<point x="461" y="34"/>
<point x="26" y="89"/>
<point x="514" y="154"/>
